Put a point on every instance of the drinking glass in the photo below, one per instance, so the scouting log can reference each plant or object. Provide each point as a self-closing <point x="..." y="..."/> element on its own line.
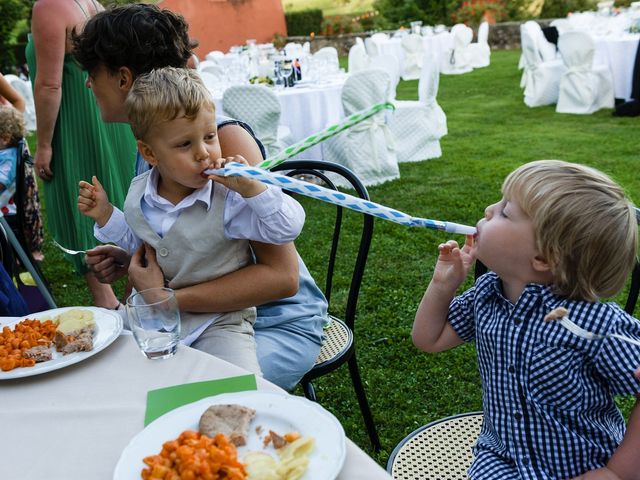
<point x="154" y="319"/>
<point x="286" y="70"/>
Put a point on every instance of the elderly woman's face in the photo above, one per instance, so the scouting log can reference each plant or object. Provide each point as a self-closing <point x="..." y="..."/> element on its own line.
<point x="110" y="90"/>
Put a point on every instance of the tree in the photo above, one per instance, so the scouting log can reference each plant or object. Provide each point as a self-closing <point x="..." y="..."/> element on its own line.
<point x="11" y="11"/>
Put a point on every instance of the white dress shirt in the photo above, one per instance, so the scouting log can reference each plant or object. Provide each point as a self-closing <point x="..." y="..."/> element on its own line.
<point x="269" y="217"/>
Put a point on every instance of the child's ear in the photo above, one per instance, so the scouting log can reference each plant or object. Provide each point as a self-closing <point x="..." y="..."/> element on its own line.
<point x="125" y="80"/>
<point x="147" y="153"/>
<point x="539" y="264"/>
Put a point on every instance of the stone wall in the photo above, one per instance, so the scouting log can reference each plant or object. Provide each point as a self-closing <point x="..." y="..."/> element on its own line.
<point x="502" y="36"/>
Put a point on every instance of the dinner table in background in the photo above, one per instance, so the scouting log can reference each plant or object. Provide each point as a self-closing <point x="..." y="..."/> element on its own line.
<point x="74" y="423"/>
<point x="618" y="52"/>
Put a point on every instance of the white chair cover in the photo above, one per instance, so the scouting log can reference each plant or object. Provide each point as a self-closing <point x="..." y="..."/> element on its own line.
<point x="456" y="60"/>
<point x="479" y="52"/>
<point x="380" y="36"/>
<point x="583" y="87"/>
<point x="306" y="48"/>
<point x="293" y="50"/>
<point x="23" y="87"/>
<point x="371" y="45"/>
<point x="389" y="64"/>
<point x="418" y="126"/>
<point x="562" y="25"/>
<point x="541" y="79"/>
<point x="546" y="49"/>
<point x="413" y="55"/>
<point x="330" y="56"/>
<point x="360" y="41"/>
<point x="259" y="107"/>
<point x="367" y="148"/>
<point x="214" y="56"/>
<point x="358" y="58"/>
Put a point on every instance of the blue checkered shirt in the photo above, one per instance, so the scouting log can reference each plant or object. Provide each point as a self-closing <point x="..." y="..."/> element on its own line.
<point x="548" y="400"/>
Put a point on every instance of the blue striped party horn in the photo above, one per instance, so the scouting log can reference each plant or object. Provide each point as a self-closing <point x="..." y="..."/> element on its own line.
<point x="337" y="198"/>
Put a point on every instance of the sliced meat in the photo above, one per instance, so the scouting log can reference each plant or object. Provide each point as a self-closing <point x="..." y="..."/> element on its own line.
<point x="82" y="343"/>
<point x="41" y="353"/>
<point x="231" y="420"/>
<point x="277" y="440"/>
<point x="60" y="340"/>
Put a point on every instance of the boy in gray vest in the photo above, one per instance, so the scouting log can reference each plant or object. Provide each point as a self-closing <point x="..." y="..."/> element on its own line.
<point x="197" y="229"/>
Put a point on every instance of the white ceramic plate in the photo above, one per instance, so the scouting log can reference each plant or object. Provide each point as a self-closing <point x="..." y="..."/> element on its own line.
<point x="108" y="327"/>
<point x="279" y="412"/>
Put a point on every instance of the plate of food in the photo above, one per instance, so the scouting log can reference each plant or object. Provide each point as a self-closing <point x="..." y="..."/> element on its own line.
<point x="258" y="435"/>
<point x="53" y="339"/>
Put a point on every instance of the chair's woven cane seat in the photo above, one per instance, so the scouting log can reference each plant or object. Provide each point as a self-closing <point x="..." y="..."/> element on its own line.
<point x="338" y="338"/>
<point x="438" y="451"/>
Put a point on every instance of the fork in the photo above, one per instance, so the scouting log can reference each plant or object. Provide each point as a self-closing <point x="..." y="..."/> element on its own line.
<point x="581" y="332"/>
<point x="68" y="250"/>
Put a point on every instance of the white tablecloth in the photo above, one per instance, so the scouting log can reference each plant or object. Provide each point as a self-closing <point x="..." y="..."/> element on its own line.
<point x="618" y="53"/>
<point x="307" y="109"/>
<point x="438" y="44"/>
<point x="73" y="423"/>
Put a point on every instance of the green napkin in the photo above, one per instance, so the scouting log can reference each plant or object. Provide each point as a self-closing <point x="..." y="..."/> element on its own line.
<point x="163" y="400"/>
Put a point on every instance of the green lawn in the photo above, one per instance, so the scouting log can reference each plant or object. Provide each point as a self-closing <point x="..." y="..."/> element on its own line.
<point x="329" y="7"/>
<point x="491" y="132"/>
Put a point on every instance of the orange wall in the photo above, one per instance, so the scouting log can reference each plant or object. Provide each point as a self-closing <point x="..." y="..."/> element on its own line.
<point x="219" y="24"/>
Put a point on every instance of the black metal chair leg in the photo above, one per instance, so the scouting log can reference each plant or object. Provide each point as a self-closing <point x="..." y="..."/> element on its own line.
<point x="308" y="389"/>
<point x="364" y="403"/>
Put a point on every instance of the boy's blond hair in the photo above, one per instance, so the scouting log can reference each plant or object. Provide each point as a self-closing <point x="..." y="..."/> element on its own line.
<point x="584" y="226"/>
<point x="163" y="95"/>
<point x="12" y="125"/>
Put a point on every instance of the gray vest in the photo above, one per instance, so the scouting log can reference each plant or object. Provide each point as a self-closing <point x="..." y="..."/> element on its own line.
<point x="195" y="249"/>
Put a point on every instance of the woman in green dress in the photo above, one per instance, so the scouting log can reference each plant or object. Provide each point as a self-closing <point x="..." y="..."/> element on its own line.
<point x="73" y="142"/>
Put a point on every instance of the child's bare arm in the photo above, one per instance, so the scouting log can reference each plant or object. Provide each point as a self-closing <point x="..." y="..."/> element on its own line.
<point x="625" y="462"/>
<point x="93" y="202"/>
<point x="431" y="331"/>
<point x="244" y="186"/>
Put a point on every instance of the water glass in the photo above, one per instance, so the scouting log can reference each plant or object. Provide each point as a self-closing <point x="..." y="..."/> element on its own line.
<point x="154" y="319"/>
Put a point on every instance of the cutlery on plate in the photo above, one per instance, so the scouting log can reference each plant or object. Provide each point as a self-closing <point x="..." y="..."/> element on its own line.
<point x="560" y="314"/>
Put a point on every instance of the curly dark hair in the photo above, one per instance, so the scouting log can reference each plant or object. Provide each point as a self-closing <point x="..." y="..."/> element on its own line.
<point x="138" y="36"/>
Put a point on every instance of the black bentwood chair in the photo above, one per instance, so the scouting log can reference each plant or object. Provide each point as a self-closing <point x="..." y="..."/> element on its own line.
<point x="442" y="449"/>
<point x="339" y="346"/>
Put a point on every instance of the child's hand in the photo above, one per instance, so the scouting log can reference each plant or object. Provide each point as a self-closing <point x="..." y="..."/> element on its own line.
<point x="453" y="263"/>
<point x="93" y="202"/>
<point x="244" y="186"/>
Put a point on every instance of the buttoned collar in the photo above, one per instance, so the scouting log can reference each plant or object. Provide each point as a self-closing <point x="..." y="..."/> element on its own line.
<point x="152" y="198"/>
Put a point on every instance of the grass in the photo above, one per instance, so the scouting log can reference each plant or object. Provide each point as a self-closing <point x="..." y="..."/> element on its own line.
<point x="491" y="132"/>
<point x="329" y="7"/>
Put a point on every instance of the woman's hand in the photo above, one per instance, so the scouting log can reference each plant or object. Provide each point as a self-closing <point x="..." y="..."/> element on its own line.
<point x="42" y="162"/>
<point x="599" y="474"/>
<point x="144" y="271"/>
<point x="107" y="262"/>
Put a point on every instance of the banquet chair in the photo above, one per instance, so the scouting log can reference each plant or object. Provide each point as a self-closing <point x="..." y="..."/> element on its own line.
<point x="584" y="88"/>
<point x="214" y="56"/>
<point x="23" y="87"/>
<point x="389" y="64"/>
<point x="541" y="79"/>
<point x="456" y="60"/>
<point x="259" y="107"/>
<point x="344" y="261"/>
<point x="330" y="56"/>
<point x="479" y="52"/>
<point x="417" y="126"/>
<point x="443" y="449"/>
<point x="16" y="254"/>
<point x="367" y="148"/>
<point x="413" y="56"/>
<point x="358" y="59"/>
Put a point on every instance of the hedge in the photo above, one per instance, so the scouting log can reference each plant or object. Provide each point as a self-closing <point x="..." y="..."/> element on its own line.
<point x="304" y="22"/>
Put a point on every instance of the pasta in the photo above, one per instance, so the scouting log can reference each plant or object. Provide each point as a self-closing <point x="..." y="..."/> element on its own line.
<point x="25" y="335"/>
<point x="195" y="456"/>
<point x="292" y="464"/>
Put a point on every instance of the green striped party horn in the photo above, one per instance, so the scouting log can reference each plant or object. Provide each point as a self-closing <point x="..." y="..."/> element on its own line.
<point x="321" y="136"/>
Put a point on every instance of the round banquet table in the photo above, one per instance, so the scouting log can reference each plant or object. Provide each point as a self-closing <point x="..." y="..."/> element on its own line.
<point x="73" y="423"/>
<point x="438" y="44"/>
<point x="306" y="109"/>
<point x="618" y="52"/>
